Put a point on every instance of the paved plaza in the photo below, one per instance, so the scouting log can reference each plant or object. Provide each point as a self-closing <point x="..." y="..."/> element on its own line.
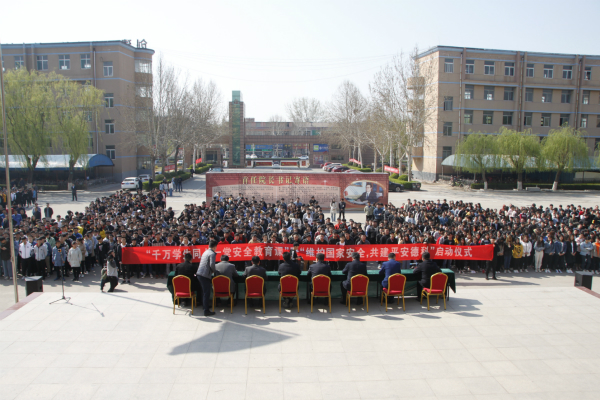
<point x="525" y="336"/>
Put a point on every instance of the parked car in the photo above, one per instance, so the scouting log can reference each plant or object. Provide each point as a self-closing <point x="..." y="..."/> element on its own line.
<point x="216" y="169"/>
<point x="325" y="164"/>
<point x="396" y="187"/>
<point x="276" y="164"/>
<point x="303" y="158"/>
<point x="340" y="169"/>
<point x="332" y="166"/>
<point x="144" y="178"/>
<point x="130" y="183"/>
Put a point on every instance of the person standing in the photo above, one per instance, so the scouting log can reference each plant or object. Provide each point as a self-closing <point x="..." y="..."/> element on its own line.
<point x="369" y="211"/>
<point x="333" y="209"/>
<point x="342" y="207"/>
<point x="5" y="257"/>
<point x="112" y="272"/>
<point x="538" y="248"/>
<point x="73" y="192"/>
<point x="490" y="265"/>
<point x="26" y="252"/>
<point x="75" y="257"/>
<point x="204" y="275"/>
<point x="59" y="256"/>
<point x="40" y="252"/>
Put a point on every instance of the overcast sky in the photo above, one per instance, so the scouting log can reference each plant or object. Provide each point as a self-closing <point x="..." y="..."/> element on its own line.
<point x="274" y="51"/>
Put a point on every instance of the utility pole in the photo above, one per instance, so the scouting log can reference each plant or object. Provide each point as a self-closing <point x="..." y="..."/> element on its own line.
<point x="8" y="199"/>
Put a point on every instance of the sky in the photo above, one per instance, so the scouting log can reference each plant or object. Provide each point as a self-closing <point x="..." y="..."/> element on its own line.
<point x="275" y="51"/>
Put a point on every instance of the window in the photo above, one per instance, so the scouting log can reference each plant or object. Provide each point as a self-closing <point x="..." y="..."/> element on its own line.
<point x="547" y="96"/>
<point x="565" y="96"/>
<point x="564" y="119"/>
<point x="489" y="68"/>
<point x="546" y="119"/>
<point x="91" y="140"/>
<point x="586" y="97"/>
<point x="468" y="117"/>
<point x="528" y="119"/>
<point x="548" y="71"/>
<point x="85" y="61"/>
<point x="144" y="91"/>
<point x="448" y="103"/>
<point x="507" y="118"/>
<point x="470" y="67"/>
<point x="598" y="122"/>
<point x="509" y="93"/>
<point x="584" y="121"/>
<point x="108" y="68"/>
<point x="143" y="66"/>
<point x="529" y="94"/>
<point x="469" y="92"/>
<point x="109" y="100"/>
<point x="111" y="152"/>
<point x="446" y="152"/>
<point x="509" y="68"/>
<point x="449" y="65"/>
<point x="109" y="126"/>
<point x="488" y="117"/>
<point x="488" y="92"/>
<point x="588" y="74"/>
<point x="530" y="72"/>
<point x="19" y="62"/>
<point x="64" y="61"/>
<point x="567" y="72"/>
<point x="447" y="128"/>
<point x="42" y="63"/>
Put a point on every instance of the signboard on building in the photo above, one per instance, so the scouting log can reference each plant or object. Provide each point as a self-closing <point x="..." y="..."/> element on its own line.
<point x="320" y="148"/>
<point x="356" y="190"/>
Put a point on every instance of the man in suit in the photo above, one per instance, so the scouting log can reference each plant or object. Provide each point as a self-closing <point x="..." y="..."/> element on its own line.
<point x="318" y="268"/>
<point x="256" y="269"/>
<point x="369" y="195"/>
<point x="426" y="269"/>
<point x="288" y="267"/>
<point x="187" y="269"/>
<point x="388" y="268"/>
<point x="227" y="269"/>
<point x="355" y="267"/>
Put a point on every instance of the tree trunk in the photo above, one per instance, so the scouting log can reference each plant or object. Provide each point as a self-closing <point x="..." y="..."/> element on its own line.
<point x="152" y="169"/>
<point x="520" y="181"/>
<point x="484" y="180"/>
<point x="176" y="155"/>
<point x="409" y="165"/>
<point x="556" y="180"/>
<point x="71" y="173"/>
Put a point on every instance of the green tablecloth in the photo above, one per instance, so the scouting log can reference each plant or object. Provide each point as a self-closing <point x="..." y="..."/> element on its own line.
<point x="337" y="276"/>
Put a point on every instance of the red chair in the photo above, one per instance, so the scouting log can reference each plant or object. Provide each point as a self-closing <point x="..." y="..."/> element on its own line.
<point x="321" y="287"/>
<point x="395" y="287"/>
<point x="359" y="287"/>
<point x="254" y="290"/>
<point x="437" y="288"/>
<point x="289" y="288"/>
<point x="221" y="288"/>
<point x="182" y="289"/>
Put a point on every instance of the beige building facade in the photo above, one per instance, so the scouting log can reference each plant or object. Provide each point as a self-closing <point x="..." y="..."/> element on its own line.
<point x="483" y="90"/>
<point x="121" y="70"/>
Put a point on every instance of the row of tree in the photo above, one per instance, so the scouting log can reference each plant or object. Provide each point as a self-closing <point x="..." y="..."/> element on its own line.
<point x="563" y="150"/>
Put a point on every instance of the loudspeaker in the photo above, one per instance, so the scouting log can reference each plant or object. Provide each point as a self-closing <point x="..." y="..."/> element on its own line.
<point x="584" y="279"/>
<point x="33" y="284"/>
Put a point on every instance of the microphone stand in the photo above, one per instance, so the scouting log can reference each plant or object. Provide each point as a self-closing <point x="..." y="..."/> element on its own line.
<point x="66" y="299"/>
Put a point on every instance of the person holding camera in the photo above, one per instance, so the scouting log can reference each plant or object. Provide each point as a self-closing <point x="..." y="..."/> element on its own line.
<point x="110" y="273"/>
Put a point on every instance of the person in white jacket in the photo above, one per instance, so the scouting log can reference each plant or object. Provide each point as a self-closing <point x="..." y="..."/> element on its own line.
<point x="75" y="258"/>
<point x="527" y="249"/>
<point x="40" y="251"/>
<point x="334" y="208"/>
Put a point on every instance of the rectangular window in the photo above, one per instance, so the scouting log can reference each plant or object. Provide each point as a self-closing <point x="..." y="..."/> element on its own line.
<point x="109" y="126"/>
<point x="448" y="103"/>
<point x="584" y="121"/>
<point x="488" y="117"/>
<point x="567" y="72"/>
<point x="449" y="65"/>
<point x="509" y="69"/>
<point x="144" y="91"/>
<point x="548" y="71"/>
<point x="91" y="140"/>
<point x="489" y="68"/>
<point x="565" y="96"/>
<point x="588" y="74"/>
<point x="488" y="93"/>
<point x="447" y="129"/>
<point x="586" y="97"/>
<point x="143" y="66"/>
<point x="108" y="68"/>
<point x="446" y="152"/>
<point x="470" y="67"/>
<point x="546" y="119"/>
<point x="111" y="152"/>
<point x="564" y="119"/>
<point x="547" y="96"/>
<point x="109" y="100"/>
<point x="469" y="92"/>
<point x="529" y="94"/>
<point x="468" y="117"/>
<point x="528" y="119"/>
<point x="42" y="63"/>
<point x="507" y="118"/>
<point x="86" y="62"/>
<point x="509" y="93"/>
<point x="64" y="61"/>
<point x="530" y="71"/>
<point x="19" y="62"/>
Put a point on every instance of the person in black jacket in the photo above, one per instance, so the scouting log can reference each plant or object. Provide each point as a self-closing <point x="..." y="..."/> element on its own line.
<point x="427" y="269"/>
<point x="490" y="266"/>
<point x="186" y="268"/>
<point x="288" y="267"/>
<point x="256" y="269"/>
<point x="318" y="268"/>
<point x="355" y="267"/>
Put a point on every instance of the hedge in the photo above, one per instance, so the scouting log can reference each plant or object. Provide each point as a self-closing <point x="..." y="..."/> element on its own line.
<point x="395" y="176"/>
<point x="407" y="185"/>
<point x="378" y="170"/>
<point x="561" y="186"/>
<point x="403" y="177"/>
<point x="204" y="168"/>
<point x="159" y="179"/>
<point x="358" y="169"/>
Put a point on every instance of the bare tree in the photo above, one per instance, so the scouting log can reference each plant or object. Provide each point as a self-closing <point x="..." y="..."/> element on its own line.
<point x="208" y="112"/>
<point x="302" y="112"/>
<point x="278" y="125"/>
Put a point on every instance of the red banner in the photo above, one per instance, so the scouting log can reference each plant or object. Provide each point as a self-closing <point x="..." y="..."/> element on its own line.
<point x="355" y="161"/>
<point x="271" y="251"/>
<point x="198" y="160"/>
<point x="387" y="168"/>
<point x="169" y="168"/>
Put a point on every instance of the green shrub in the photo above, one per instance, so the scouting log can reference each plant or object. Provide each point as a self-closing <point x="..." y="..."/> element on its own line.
<point x="159" y="178"/>
<point x="403" y="177"/>
<point x="394" y="176"/>
<point x="203" y="168"/>
<point x="407" y="185"/>
<point x="378" y="170"/>
<point x="365" y="169"/>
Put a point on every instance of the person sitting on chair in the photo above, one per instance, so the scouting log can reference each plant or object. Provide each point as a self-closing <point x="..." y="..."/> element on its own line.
<point x="256" y="269"/>
<point x="426" y="269"/>
<point x="388" y="268"/>
<point x="355" y="267"/>
<point x="227" y="269"/>
<point x="187" y="269"/>
<point x="288" y="267"/>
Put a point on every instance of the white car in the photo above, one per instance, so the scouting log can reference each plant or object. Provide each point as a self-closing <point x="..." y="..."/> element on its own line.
<point x="144" y="178"/>
<point x="253" y="156"/>
<point x="303" y="158"/>
<point x="130" y="183"/>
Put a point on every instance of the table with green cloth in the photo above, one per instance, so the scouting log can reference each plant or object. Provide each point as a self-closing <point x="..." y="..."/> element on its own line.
<point x="337" y="276"/>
